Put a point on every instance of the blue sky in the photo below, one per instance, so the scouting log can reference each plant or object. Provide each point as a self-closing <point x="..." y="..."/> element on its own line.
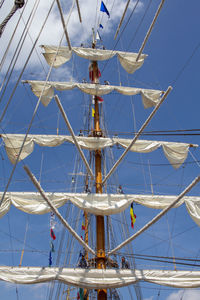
<point x="173" y="59"/>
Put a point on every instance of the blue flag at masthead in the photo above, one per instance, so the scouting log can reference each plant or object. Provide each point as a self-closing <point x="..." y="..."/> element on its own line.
<point x="104" y="9"/>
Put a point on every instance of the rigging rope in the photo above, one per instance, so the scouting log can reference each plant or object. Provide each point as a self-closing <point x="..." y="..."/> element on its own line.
<point x="171" y="244"/>
<point x="36" y="107"/>
<point x="19" y="78"/>
<point x="122" y="18"/>
<point x="18" y="48"/>
<point x="140" y="23"/>
<point x="1" y="3"/>
<point x="41" y="166"/>
<point x="69" y="212"/>
<point x="71" y="241"/>
<point x="11" y="39"/>
<point x="18" y="4"/>
<point x="11" y="245"/>
<point x="186" y="64"/>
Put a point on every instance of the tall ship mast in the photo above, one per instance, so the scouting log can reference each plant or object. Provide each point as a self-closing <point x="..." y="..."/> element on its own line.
<point x="93" y="200"/>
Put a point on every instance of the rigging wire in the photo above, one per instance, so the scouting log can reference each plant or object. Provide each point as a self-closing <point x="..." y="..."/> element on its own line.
<point x="140" y="24"/>
<point x="127" y="22"/>
<point x="54" y="156"/>
<point x="185" y="64"/>
<point x="41" y="167"/>
<point x="24" y="67"/>
<point x="195" y="160"/>
<point x="122" y="18"/>
<point x="171" y="243"/>
<point x="11" y="39"/>
<point x="1" y="3"/>
<point x="12" y="255"/>
<point x="186" y="259"/>
<point x="36" y="107"/>
<point x="123" y="227"/>
<point x="172" y="231"/>
<point x="167" y="262"/>
<point x="18" y="49"/>
<point x="9" y="228"/>
<point x="17" y="4"/>
<point x="71" y="239"/>
<point x="115" y="45"/>
<point x="173" y="237"/>
<point x="163" y="164"/>
<point x="121" y="33"/>
<point x="33" y="113"/>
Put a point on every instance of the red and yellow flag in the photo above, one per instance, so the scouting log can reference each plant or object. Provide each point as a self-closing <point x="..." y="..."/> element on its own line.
<point x="83" y="225"/>
<point x="133" y="216"/>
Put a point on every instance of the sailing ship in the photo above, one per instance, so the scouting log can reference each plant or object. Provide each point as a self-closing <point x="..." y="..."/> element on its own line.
<point x="90" y="228"/>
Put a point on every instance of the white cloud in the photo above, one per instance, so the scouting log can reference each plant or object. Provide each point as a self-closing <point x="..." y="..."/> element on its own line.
<point x="185" y="295"/>
<point x="52" y="32"/>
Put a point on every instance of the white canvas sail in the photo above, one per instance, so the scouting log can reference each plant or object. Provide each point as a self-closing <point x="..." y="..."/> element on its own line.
<point x="97" y="204"/>
<point x="108" y="225"/>
<point x="176" y="153"/>
<point x="100" y="279"/>
<point x="57" y="56"/>
<point x="46" y="90"/>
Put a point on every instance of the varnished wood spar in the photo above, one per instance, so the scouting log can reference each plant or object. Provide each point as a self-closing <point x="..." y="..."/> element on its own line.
<point x="55" y="210"/>
<point x="63" y="24"/>
<point x="100" y="233"/>
<point x="73" y="135"/>
<point x="156" y="218"/>
<point x="138" y="134"/>
<point x="150" y="30"/>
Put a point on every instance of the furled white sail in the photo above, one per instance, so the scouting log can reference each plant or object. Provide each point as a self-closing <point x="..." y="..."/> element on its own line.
<point x="176" y="153"/>
<point x="99" y="278"/>
<point x="58" y="56"/>
<point x="149" y="97"/>
<point x="98" y="204"/>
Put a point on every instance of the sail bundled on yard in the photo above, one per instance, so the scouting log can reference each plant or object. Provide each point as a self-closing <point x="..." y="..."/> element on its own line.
<point x="97" y="204"/>
<point x="57" y="56"/>
<point x="100" y="279"/>
<point x="176" y="153"/>
<point x="45" y="90"/>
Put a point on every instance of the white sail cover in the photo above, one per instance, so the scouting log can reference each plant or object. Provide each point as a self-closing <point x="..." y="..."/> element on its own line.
<point x="176" y="153"/>
<point x="98" y="204"/>
<point x="99" y="279"/>
<point x="149" y="97"/>
<point x="58" y="56"/>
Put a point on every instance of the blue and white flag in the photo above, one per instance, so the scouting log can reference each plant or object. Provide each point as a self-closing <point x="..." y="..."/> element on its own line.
<point x="104" y="9"/>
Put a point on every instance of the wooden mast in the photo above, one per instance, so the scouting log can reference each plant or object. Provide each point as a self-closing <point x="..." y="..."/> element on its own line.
<point x="100" y="233"/>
